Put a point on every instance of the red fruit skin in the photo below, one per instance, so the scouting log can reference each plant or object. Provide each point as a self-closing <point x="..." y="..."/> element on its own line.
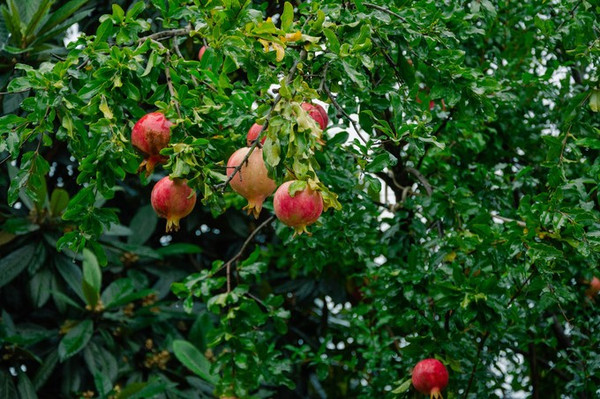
<point x="253" y="134"/>
<point x="173" y="200"/>
<point x="323" y="114"/>
<point x="299" y="211"/>
<point x="594" y="288"/>
<point x="252" y="181"/>
<point x="430" y="377"/>
<point x="201" y="52"/>
<point x="150" y="134"/>
<point x="319" y="116"/>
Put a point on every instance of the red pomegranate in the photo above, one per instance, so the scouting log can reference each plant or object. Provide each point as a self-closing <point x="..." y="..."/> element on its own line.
<point x="173" y="200"/>
<point x="201" y="52"/>
<point x="300" y="210"/>
<point x="594" y="287"/>
<point x="150" y="135"/>
<point x="251" y="181"/>
<point x="318" y="113"/>
<point x="253" y="134"/>
<point x="429" y="377"/>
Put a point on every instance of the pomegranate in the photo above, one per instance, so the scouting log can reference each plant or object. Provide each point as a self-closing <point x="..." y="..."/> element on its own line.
<point x="252" y="181"/>
<point x="429" y="377"/>
<point x="253" y="134"/>
<point x="317" y="113"/>
<point x="201" y="52"/>
<point x="300" y="210"/>
<point x="173" y="200"/>
<point x="151" y="134"/>
<point x="594" y="288"/>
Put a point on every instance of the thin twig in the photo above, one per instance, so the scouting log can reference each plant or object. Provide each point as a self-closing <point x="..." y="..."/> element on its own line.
<point x="386" y="10"/>
<point x="256" y="142"/>
<point x="341" y="110"/>
<point x="421" y="179"/>
<point x="15" y="92"/>
<point x="167" y="34"/>
<point x="239" y="254"/>
<point x="168" y="76"/>
<point x="508" y="220"/>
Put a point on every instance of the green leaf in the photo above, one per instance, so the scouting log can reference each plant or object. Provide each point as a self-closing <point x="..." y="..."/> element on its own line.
<point x="287" y="17"/>
<point x="71" y="273"/>
<point x="92" y="277"/>
<point x="595" y="100"/>
<point x="58" y="201"/>
<point x="15" y="262"/>
<point x="142" y="390"/>
<point x="332" y="40"/>
<point x="403" y="387"/>
<point x="180" y="248"/>
<point x="25" y="387"/>
<point x="61" y="14"/>
<point x="39" y="287"/>
<point x="6" y="385"/>
<point x="41" y="10"/>
<point x="195" y="361"/>
<point x="75" y="339"/>
<point x="296" y="186"/>
<point x="142" y="225"/>
<point x="45" y="370"/>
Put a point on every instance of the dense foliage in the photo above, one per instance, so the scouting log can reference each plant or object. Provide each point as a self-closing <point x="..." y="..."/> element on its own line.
<point x="459" y="174"/>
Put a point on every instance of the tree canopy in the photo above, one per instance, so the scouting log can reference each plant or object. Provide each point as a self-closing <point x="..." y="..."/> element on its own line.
<point x="459" y="175"/>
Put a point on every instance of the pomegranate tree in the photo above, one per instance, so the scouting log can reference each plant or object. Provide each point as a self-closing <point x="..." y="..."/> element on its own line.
<point x="429" y="377"/>
<point x="151" y="134"/>
<point x="318" y="113"/>
<point x="251" y="181"/>
<point x="299" y="210"/>
<point x="173" y="200"/>
<point x="253" y="134"/>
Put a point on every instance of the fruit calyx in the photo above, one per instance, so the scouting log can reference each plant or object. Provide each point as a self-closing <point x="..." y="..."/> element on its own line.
<point x="173" y="200"/>
<point x="251" y="181"/>
<point x="299" y="210"/>
<point x="150" y="134"/>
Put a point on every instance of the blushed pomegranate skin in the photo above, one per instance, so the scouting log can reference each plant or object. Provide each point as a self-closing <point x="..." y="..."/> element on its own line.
<point x="201" y="52"/>
<point x="151" y="134"/>
<point x="317" y="113"/>
<point x="252" y="181"/>
<point x="299" y="211"/>
<point x="173" y="200"/>
<point x="253" y="134"/>
<point x="594" y="287"/>
<point x="430" y="377"/>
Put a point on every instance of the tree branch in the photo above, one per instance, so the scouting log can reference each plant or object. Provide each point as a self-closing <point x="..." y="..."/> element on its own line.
<point x="239" y="254"/>
<point x="340" y="109"/>
<point x="385" y="10"/>
<point x="168" y="76"/>
<point x="256" y="142"/>
<point x="167" y="34"/>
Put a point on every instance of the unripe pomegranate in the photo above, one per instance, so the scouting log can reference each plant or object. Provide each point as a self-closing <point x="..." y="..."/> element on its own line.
<point x="253" y="134"/>
<point x="429" y="377"/>
<point x="299" y="211"/>
<point x="151" y="134"/>
<point x="317" y="112"/>
<point x="201" y="52"/>
<point x="173" y="200"/>
<point x="251" y="181"/>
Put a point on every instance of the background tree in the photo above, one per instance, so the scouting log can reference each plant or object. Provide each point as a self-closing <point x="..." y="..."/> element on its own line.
<point x="462" y="149"/>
